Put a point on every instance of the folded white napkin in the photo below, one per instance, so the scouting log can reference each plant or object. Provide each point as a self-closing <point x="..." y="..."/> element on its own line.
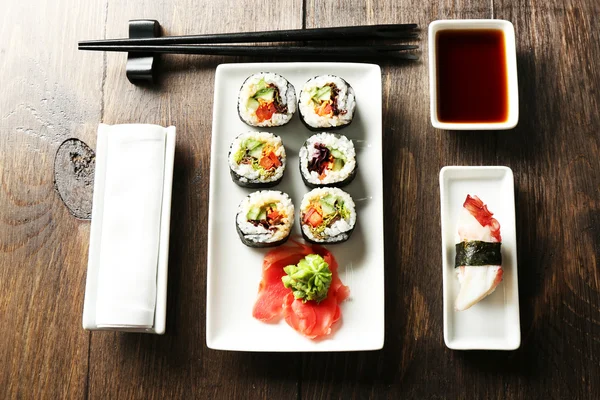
<point x="129" y="244"/>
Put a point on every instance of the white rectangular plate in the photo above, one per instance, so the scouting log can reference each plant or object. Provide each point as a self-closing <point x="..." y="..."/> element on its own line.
<point x="493" y="323"/>
<point x="234" y="270"/>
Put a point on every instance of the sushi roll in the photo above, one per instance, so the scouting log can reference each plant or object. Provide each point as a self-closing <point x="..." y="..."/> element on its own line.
<point x="327" y="215"/>
<point x="257" y="160"/>
<point x="265" y="218"/>
<point x="326" y="102"/>
<point x="478" y="261"/>
<point x="327" y="159"/>
<point x="266" y="99"/>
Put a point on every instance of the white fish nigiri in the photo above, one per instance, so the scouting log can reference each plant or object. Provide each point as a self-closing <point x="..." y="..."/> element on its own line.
<point x="476" y="223"/>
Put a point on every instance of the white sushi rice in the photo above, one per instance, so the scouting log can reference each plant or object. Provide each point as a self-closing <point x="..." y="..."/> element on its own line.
<point x="340" y="230"/>
<point x="333" y="141"/>
<point x="246" y="172"/>
<point x="249" y="89"/>
<point x="258" y="233"/>
<point x="345" y="101"/>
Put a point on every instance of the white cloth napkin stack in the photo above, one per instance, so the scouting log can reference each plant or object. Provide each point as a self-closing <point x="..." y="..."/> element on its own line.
<point x="125" y="261"/>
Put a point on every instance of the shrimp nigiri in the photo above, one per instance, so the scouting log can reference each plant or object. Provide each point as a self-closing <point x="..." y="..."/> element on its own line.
<point x="478" y="258"/>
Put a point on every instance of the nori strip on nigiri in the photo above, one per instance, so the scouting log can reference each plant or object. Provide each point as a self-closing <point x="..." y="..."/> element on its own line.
<point x="475" y="253"/>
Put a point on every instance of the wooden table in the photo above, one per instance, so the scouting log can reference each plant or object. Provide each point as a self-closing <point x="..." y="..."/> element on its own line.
<point x="51" y="92"/>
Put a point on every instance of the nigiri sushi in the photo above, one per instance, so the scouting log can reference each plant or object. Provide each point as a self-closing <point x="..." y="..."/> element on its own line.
<point x="478" y="259"/>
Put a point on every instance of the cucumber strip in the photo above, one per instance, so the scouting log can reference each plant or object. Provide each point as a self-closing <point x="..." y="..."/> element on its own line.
<point x="253" y="214"/>
<point x="252" y="104"/>
<point x="256" y="152"/>
<point x="251" y="144"/>
<point x="327" y="208"/>
<point x="261" y="84"/>
<point x="320" y="94"/>
<point x="477" y="253"/>
<point x="338" y="164"/>
<point x="329" y="199"/>
<point x="337" y="154"/>
<point x="266" y="94"/>
<point x="323" y="93"/>
<point x="262" y="215"/>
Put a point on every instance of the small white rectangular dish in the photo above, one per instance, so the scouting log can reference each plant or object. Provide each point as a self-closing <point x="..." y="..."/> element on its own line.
<point x="234" y="270"/>
<point x="511" y="72"/>
<point x="493" y="323"/>
<point x="93" y="281"/>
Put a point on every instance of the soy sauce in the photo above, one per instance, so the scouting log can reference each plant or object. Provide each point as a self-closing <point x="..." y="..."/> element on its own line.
<point x="472" y="84"/>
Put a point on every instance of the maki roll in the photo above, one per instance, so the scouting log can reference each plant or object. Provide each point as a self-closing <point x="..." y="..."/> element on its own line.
<point x="266" y="99"/>
<point x="327" y="215"/>
<point x="257" y="159"/>
<point x="265" y="218"/>
<point x="327" y="159"/>
<point x="326" y="102"/>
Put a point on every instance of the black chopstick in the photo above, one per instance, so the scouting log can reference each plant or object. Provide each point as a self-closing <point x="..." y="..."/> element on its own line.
<point x="389" y="31"/>
<point x="371" y="52"/>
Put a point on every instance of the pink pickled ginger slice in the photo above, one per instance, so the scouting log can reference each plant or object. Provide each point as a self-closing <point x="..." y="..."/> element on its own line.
<point x="311" y="319"/>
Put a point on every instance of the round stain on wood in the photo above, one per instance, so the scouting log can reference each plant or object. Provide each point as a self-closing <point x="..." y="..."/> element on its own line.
<point x="74" y="168"/>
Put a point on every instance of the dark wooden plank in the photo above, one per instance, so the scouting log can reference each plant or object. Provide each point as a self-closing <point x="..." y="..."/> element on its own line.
<point x="50" y="92"/>
<point x="553" y="153"/>
<point x="414" y="362"/>
<point x="178" y="365"/>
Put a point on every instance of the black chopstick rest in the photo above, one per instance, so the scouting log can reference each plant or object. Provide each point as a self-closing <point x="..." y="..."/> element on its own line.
<point x="141" y="67"/>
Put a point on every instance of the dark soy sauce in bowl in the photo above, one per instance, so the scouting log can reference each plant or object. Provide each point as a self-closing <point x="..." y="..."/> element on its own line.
<point x="472" y="83"/>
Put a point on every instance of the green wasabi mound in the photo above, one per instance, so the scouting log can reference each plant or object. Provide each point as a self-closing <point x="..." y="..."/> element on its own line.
<point x="309" y="280"/>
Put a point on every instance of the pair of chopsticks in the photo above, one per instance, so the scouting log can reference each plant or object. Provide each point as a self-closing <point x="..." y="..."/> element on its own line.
<point x="213" y="44"/>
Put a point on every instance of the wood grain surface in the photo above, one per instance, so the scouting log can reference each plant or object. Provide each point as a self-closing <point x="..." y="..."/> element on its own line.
<point x="50" y="92"/>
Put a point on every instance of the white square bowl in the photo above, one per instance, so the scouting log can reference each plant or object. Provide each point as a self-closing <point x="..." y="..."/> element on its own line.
<point x="511" y="69"/>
